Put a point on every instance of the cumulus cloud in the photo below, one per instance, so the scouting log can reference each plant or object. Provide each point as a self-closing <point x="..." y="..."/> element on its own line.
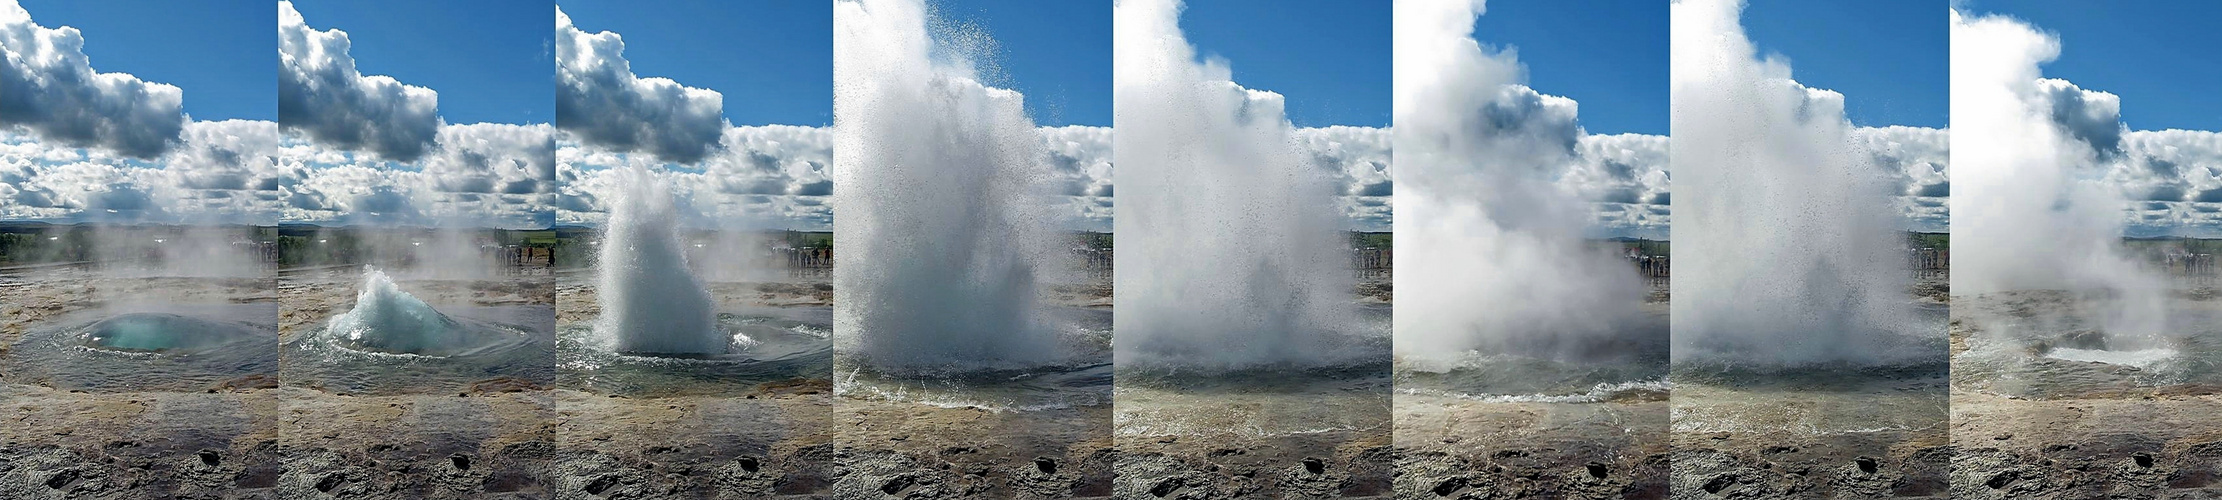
<point x="1358" y="160"/>
<point x="1918" y="162"/>
<point x="1079" y="158"/>
<point x="322" y="95"/>
<point x="775" y="176"/>
<point x="48" y="86"/>
<point x="601" y="102"/>
<point x="2174" y="178"/>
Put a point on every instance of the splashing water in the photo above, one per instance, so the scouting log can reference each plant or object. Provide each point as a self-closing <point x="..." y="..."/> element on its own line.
<point x="938" y="177"/>
<point x="1230" y="250"/>
<point x="388" y="319"/>
<point x="650" y="302"/>
<point x="1785" y="242"/>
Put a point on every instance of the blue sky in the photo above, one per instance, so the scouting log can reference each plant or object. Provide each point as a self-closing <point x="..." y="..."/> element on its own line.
<point x="773" y="60"/>
<point x="1890" y="58"/>
<point x="1331" y="58"/>
<point x="490" y="60"/>
<point x="1612" y="59"/>
<point x="222" y="54"/>
<point x="1057" y="53"/>
<point x="2158" y="56"/>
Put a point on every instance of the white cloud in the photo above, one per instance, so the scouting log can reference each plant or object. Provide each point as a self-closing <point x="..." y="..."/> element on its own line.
<point x="321" y="95"/>
<point x="48" y="86"/>
<point x="601" y="102"/>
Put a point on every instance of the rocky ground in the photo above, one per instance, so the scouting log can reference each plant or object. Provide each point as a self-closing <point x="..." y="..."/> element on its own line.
<point x="915" y="451"/>
<point x="495" y="439"/>
<point x="218" y="443"/>
<point x="2094" y="432"/>
<point x="1464" y="449"/>
<point x="898" y="449"/>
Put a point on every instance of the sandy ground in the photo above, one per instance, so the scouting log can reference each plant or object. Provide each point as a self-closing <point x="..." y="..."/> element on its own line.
<point x="2110" y="441"/>
<point x="219" y="443"/>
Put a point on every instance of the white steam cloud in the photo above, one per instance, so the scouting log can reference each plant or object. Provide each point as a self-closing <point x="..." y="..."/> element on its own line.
<point x="601" y="102"/>
<point x="2036" y="209"/>
<point x="48" y="86"/>
<point x="321" y="95"/>
<point x="1483" y="208"/>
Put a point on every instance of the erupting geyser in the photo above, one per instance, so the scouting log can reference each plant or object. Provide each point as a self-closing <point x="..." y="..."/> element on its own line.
<point x="651" y="303"/>
<point x="938" y="176"/>
<point x="1230" y="250"/>
<point x="1786" y="246"/>
<point x="388" y="319"/>
<point x="2028" y="211"/>
<point x="1478" y="206"/>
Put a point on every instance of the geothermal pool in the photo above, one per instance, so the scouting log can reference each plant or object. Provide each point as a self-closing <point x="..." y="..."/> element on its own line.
<point x="175" y="347"/>
<point x="391" y="342"/>
<point x="1819" y="399"/>
<point x="1631" y="365"/>
<point x="767" y="344"/>
<point x="1265" y="401"/>
<point x="1079" y="378"/>
<point x="2052" y="345"/>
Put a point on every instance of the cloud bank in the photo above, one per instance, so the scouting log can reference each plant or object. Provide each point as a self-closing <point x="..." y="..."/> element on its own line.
<point x="768" y="177"/>
<point x="219" y="172"/>
<point x="483" y="174"/>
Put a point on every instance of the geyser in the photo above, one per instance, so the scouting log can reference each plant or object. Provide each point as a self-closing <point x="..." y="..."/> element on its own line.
<point x="388" y="319"/>
<point x="1478" y="205"/>
<point x="1230" y="250"/>
<point x="1786" y="247"/>
<point x="651" y="303"/>
<point x="938" y="179"/>
<point x="2029" y="211"/>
